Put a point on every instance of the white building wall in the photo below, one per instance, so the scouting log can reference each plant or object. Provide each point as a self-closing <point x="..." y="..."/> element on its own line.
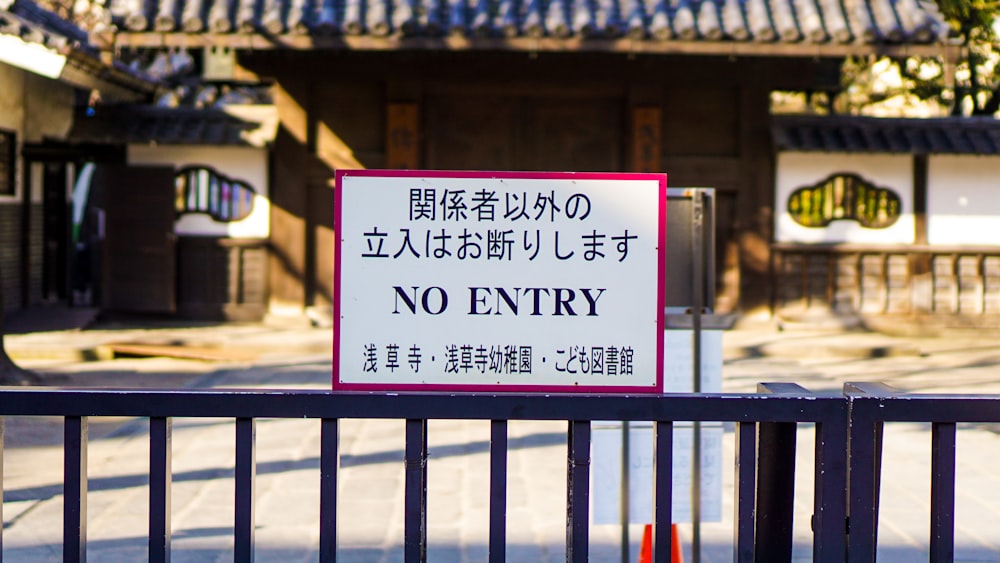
<point x="963" y="200"/>
<point x="247" y="164"/>
<point x="799" y="169"/>
<point x="33" y="107"/>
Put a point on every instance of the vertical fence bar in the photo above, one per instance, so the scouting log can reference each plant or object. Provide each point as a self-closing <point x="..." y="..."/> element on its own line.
<point x="329" y="464"/>
<point x="862" y="488"/>
<point x="246" y="472"/>
<point x="578" y="491"/>
<point x="746" y="477"/>
<point x="415" y="519"/>
<point x="498" y="491"/>
<point x="160" y="479"/>
<point x="829" y="510"/>
<point x="663" y="479"/>
<point x="75" y="489"/>
<point x="775" y="481"/>
<point x="775" y="491"/>
<point x="864" y="456"/>
<point x="942" y="492"/>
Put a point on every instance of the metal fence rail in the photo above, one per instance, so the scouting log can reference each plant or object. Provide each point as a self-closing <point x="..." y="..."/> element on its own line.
<point x="762" y="495"/>
<point x="871" y="406"/>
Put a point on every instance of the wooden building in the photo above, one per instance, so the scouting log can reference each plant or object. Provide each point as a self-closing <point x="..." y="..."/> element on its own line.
<point x="46" y="71"/>
<point x="184" y="213"/>
<point x="580" y="85"/>
<point x="888" y="220"/>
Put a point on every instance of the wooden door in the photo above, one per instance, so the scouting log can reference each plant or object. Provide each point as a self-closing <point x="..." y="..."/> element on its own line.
<point x="139" y="246"/>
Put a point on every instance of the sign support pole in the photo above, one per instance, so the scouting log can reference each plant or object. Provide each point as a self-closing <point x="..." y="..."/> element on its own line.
<point x="697" y="243"/>
<point x="624" y="507"/>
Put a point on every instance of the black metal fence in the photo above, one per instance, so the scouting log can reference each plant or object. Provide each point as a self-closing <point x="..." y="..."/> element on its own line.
<point x="848" y="432"/>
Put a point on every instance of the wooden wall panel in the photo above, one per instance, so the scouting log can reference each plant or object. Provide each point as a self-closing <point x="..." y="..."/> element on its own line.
<point x="488" y="132"/>
<point x="348" y="124"/>
<point x="288" y="210"/>
<point x="702" y="122"/>
<point x="221" y="279"/>
<point x="470" y="133"/>
<point x="578" y="135"/>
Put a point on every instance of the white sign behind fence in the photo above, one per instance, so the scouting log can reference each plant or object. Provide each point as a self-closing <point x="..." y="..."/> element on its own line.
<point x="511" y="281"/>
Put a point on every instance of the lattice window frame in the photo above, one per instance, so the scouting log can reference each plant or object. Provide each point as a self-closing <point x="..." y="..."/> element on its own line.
<point x="191" y="198"/>
<point x="844" y="196"/>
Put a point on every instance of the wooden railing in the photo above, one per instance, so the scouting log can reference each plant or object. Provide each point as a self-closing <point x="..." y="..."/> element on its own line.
<point x="959" y="282"/>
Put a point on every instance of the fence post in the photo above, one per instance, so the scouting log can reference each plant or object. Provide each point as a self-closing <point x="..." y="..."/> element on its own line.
<point x="415" y="519"/>
<point x="329" y="464"/>
<point x="743" y="503"/>
<point x="830" y="489"/>
<point x="498" y="491"/>
<point x="246" y="472"/>
<point x="942" y="546"/>
<point x="578" y="492"/>
<point x="775" y="482"/>
<point x="160" y="479"/>
<point x="663" y="481"/>
<point x="75" y="489"/>
<point x="864" y="468"/>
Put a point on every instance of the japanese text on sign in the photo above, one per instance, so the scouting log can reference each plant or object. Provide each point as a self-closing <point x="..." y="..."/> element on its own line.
<point x="474" y="281"/>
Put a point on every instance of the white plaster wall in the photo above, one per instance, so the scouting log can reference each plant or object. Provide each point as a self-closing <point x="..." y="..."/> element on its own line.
<point x="796" y="170"/>
<point x="963" y="200"/>
<point x="33" y="107"/>
<point x="239" y="163"/>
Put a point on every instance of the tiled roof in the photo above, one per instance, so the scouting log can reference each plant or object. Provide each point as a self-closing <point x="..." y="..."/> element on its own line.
<point x="806" y="22"/>
<point x="33" y="24"/>
<point x="24" y="22"/>
<point x="952" y="135"/>
<point x="138" y="124"/>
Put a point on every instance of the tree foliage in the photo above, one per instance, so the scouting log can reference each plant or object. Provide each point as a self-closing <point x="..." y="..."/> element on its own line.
<point x="925" y="86"/>
<point x="977" y="86"/>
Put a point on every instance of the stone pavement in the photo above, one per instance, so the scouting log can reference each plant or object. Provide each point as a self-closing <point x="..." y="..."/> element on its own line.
<point x="371" y="494"/>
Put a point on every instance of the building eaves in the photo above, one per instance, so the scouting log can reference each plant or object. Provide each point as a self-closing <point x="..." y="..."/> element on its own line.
<point x="854" y="134"/>
<point x="722" y="27"/>
<point x="250" y="126"/>
<point x="43" y="43"/>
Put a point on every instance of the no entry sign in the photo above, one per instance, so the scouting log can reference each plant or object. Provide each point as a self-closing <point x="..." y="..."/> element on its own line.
<point x="499" y="281"/>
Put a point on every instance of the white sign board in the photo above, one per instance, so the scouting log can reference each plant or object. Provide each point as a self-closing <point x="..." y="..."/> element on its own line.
<point x="499" y="281"/>
<point x="607" y="473"/>
<point x="606" y="445"/>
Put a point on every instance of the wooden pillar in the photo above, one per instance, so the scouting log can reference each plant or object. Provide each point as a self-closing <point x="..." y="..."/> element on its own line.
<point x="647" y="139"/>
<point x="402" y="143"/>
<point x="922" y="264"/>
<point x="755" y="202"/>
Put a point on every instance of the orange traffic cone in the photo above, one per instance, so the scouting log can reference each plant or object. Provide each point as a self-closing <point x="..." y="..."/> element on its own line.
<point x="646" y="551"/>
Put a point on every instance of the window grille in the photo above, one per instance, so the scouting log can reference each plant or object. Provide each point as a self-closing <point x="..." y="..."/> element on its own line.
<point x="204" y="190"/>
<point x="848" y="197"/>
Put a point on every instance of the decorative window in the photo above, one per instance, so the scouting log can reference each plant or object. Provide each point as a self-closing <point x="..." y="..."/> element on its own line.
<point x="847" y="197"/>
<point x="7" y="158"/>
<point x="204" y="190"/>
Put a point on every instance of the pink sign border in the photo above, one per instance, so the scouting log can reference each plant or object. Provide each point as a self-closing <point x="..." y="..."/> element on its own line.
<point x="500" y="387"/>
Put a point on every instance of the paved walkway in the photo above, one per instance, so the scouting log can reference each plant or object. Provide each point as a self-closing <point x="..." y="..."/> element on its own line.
<point x="372" y="475"/>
